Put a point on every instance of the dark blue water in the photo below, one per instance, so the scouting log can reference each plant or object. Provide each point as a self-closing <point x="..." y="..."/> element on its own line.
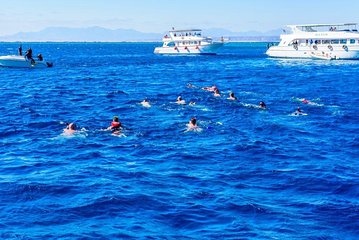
<point x="250" y="174"/>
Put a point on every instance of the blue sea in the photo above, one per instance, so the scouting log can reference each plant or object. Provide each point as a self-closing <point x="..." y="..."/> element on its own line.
<point x="247" y="174"/>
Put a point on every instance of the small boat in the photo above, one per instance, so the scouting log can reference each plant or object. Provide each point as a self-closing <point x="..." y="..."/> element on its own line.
<point x="341" y="41"/>
<point x="22" y="62"/>
<point x="191" y="41"/>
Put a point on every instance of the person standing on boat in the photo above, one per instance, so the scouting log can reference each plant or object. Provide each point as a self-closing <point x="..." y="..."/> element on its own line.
<point x="28" y="56"/>
<point x="20" y="50"/>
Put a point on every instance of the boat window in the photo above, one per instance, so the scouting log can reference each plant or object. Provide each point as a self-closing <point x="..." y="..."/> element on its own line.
<point x="195" y="42"/>
<point x="343" y="41"/>
<point x="352" y="41"/>
<point x="335" y="41"/>
<point x="326" y="41"/>
<point x="171" y="44"/>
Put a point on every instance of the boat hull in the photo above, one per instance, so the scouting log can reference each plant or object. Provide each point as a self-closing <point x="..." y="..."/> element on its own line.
<point x="21" y="62"/>
<point x="210" y="49"/>
<point x="314" y="52"/>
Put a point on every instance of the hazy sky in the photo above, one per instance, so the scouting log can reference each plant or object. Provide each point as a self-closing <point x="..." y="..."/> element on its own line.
<point x="160" y="15"/>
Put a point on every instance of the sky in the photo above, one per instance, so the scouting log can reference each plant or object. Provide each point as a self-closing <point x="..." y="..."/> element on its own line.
<point x="158" y="16"/>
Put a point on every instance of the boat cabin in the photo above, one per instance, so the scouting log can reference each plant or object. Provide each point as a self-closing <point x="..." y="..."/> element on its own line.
<point x="319" y="34"/>
<point x="185" y="38"/>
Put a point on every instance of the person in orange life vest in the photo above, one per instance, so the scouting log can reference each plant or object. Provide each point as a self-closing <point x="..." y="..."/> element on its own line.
<point x="115" y="124"/>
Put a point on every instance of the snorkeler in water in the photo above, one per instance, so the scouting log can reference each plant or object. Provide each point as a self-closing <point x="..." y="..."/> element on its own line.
<point x="217" y="93"/>
<point x="180" y="101"/>
<point x="116" y="125"/>
<point x="70" y="129"/>
<point x="210" y="89"/>
<point x="262" y="105"/>
<point x="299" y="112"/>
<point x="190" y="85"/>
<point x="146" y="103"/>
<point x="232" y="97"/>
<point x="192" y="125"/>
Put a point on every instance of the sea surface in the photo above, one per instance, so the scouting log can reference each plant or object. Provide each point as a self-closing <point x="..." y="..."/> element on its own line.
<point x="245" y="173"/>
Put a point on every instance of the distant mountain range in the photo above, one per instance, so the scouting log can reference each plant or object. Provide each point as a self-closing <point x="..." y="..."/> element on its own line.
<point x="99" y="34"/>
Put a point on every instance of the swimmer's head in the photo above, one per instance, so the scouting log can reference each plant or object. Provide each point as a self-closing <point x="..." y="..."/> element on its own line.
<point x="193" y="121"/>
<point x="179" y="98"/>
<point x="262" y="104"/>
<point x="231" y="94"/>
<point x="115" y="119"/>
<point x="72" y="126"/>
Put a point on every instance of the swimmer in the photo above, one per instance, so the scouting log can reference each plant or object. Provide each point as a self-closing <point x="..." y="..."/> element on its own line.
<point x="299" y="112"/>
<point x="305" y="101"/>
<point x="262" y="105"/>
<point x="232" y="97"/>
<point x="70" y="129"/>
<point x="308" y="102"/>
<point x="192" y="125"/>
<point x="190" y="85"/>
<point x="180" y="101"/>
<point x="217" y="93"/>
<point x="146" y="103"/>
<point x="116" y="125"/>
<point x="192" y="103"/>
<point x="210" y="89"/>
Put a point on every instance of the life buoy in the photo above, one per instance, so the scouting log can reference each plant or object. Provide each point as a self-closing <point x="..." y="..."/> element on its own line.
<point x="330" y="47"/>
<point x="315" y="47"/>
<point x="345" y="47"/>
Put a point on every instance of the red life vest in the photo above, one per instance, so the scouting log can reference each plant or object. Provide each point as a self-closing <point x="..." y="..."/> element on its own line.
<point x="116" y="124"/>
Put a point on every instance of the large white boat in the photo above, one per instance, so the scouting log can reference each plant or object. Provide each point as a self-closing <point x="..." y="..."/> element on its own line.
<point x="318" y="41"/>
<point x="188" y="41"/>
<point x="22" y="62"/>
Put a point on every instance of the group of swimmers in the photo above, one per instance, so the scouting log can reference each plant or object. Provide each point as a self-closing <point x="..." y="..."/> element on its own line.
<point x="116" y="125"/>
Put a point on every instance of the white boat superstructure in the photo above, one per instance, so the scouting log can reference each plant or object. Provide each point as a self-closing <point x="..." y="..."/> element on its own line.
<point x="188" y="41"/>
<point x="318" y="41"/>
<point x="22" y="62"/>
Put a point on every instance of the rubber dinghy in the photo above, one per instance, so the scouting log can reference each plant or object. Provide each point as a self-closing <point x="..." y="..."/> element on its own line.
<point x="22" y="62"/>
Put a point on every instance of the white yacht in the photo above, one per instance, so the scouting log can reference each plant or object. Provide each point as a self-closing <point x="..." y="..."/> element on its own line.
<point x="188" y="41"/>
<point x="318" y="41"/>
<point x="22" y="62"/>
